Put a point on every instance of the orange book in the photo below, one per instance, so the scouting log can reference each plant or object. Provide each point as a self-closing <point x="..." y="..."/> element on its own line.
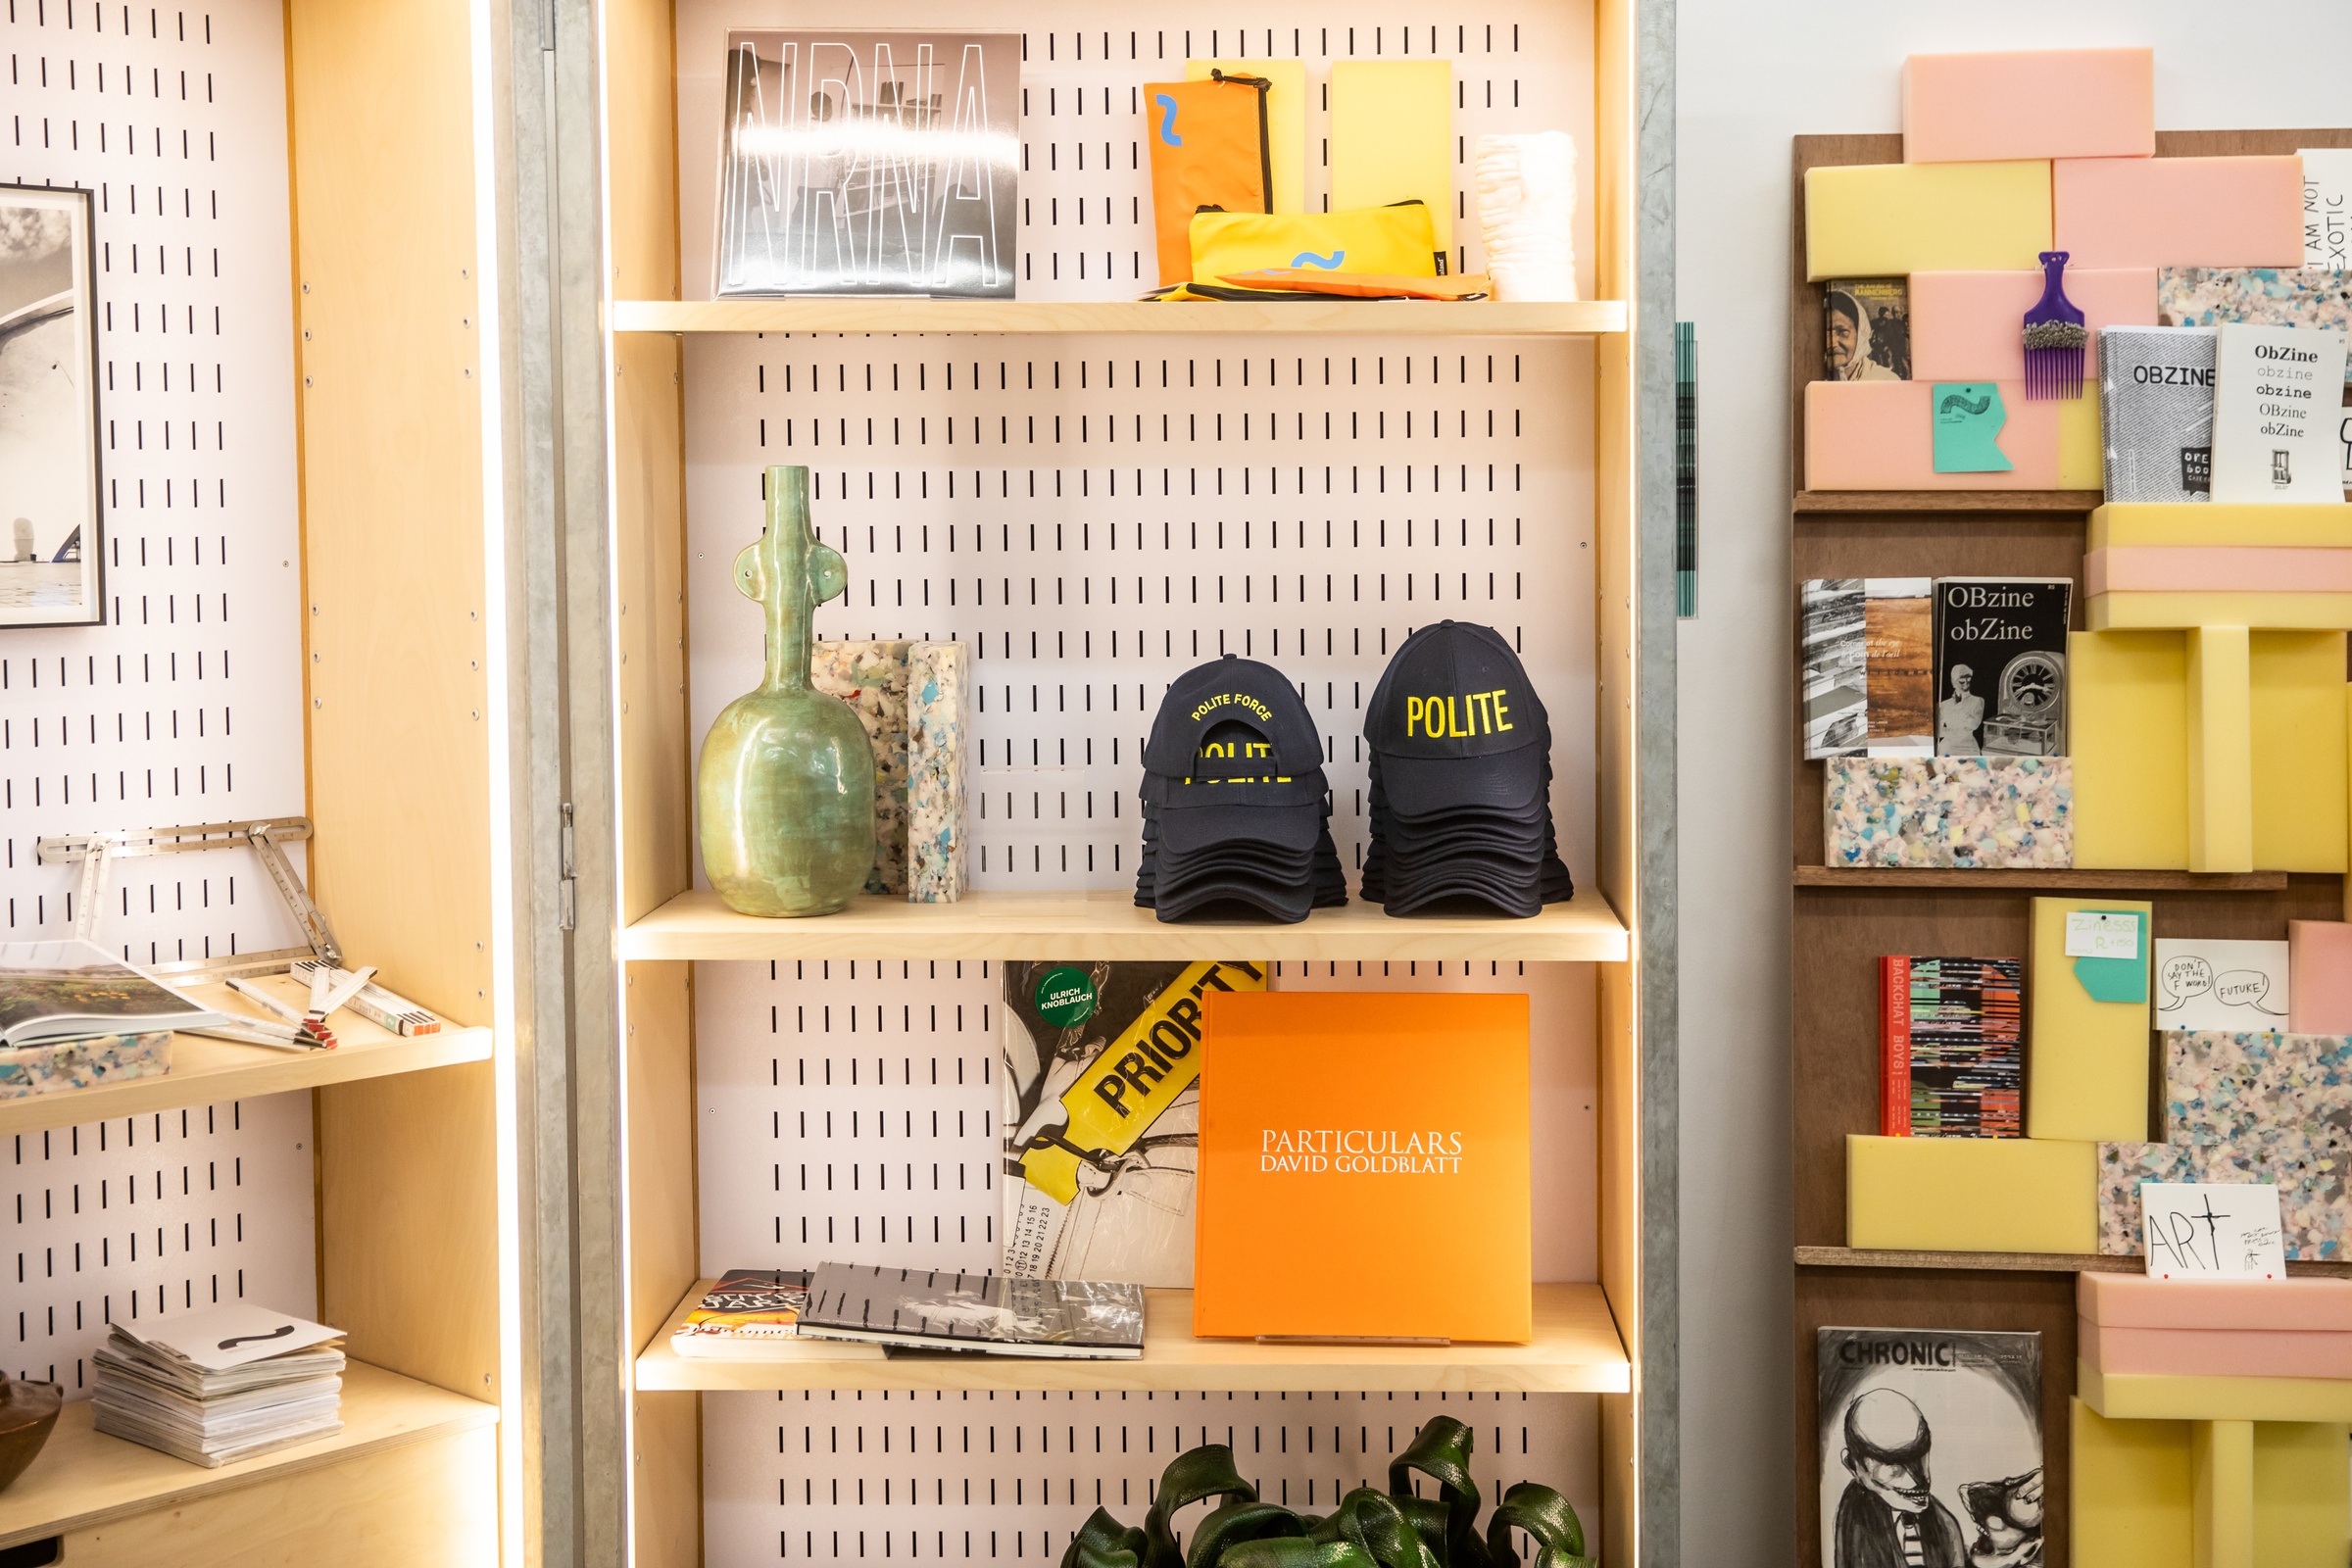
<point x="1364" y="1167"/>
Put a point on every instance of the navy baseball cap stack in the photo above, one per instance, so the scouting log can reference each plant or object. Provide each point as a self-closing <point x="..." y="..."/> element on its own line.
<point x="1236" y="806"/>
<point x="1461" y="780"/>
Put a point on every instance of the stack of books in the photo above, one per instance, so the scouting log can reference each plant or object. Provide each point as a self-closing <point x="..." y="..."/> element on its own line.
<point x="221" y="1385"/>
<point x="748" y="1315"/>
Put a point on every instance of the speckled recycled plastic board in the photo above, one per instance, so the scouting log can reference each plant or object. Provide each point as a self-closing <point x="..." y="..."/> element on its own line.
<point x="1971" y="813"/>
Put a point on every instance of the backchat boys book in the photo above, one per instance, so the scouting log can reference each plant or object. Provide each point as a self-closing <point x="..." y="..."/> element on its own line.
<point x="1931" y="1449"/>
<point x="1102" y="1115"/>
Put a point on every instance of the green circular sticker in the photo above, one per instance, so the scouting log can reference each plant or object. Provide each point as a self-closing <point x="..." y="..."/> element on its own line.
<point x="1065" y="998"/>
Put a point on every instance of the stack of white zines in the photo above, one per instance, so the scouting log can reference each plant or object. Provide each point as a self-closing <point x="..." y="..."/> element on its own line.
<point x="221" y="1385"/>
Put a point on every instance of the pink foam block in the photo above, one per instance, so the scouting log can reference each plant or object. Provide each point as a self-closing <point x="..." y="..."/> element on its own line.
<point x="1880" y="435"/>
<point x="2179" y="211"/>
<point x="2218" y="568"/>
<point x="2215" y="1352"/>
<point x="2046" y="102"/>
<point x="1970" y="327"/>
<point x="2136" y="1301"/>
<point x="2319" y="977"/>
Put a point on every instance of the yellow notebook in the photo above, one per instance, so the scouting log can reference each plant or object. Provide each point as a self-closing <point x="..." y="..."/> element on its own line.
<point x="1364" y="1167"/>
<point x="1286" y="120"/>
<point x="1392" y="137"/>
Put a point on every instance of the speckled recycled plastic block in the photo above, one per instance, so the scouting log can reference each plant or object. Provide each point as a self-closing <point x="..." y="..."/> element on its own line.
<point x="63" y="1064"/>
<point x="2307" y="1163"/>
<point x="2267" y="296"/>
<point x="1971" y="812"/>
<point x="871" y="677"/>
<point x="2227" y="1087"/>
<point x="937" y="698"/>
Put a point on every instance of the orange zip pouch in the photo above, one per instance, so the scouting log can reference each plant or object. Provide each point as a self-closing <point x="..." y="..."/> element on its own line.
<point x="1210" y="148"/>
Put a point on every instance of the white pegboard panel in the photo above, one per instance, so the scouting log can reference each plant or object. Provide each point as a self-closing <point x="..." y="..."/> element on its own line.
<point x="850" y="1110"/>
<point x="187" y="706"/>
<point x="1010" y="1477"/>
<point x="1085" y="181"/>
<point x="1095" y="515"/>
<point x="143" y="1216"/>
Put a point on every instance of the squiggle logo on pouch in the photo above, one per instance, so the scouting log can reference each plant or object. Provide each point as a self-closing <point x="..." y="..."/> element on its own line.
<point x="1167" y="118"/>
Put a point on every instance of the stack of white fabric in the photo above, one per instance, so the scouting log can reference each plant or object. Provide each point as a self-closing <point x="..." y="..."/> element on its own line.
<point x="1527" y="214"/>
<point x="221" y="1385"/>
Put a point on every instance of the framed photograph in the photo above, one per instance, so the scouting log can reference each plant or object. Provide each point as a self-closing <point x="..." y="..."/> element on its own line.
<point x="51" y="563"/>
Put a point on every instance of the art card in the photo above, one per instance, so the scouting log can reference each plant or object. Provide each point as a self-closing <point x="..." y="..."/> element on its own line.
<point x="2212" y="1232"/>
<point x="2203" y="983"/>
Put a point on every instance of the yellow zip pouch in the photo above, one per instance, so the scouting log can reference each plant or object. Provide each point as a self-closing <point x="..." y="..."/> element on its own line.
<point x="1210" y="148"/>
<point x="1394" y="240"/>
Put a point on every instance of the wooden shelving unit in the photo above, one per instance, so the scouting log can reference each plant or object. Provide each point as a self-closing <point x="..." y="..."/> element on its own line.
<point x="1108" y="925"/>
<point x="1576" y="1351"/>
<point x="1338" y="318"/>
<point x="1862" y="877"/>
<point x="205" y="1071"/>
<point x="1844" y="919"/>
<point x="83" y="1479"/>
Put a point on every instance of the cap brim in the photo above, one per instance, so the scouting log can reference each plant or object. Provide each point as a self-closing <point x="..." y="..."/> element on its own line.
<point x="1505" y="781"/>
<point x="1195" y="829"/>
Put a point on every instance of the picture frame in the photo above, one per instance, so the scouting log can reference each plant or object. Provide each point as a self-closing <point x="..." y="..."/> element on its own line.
<point x="52" y="535"/>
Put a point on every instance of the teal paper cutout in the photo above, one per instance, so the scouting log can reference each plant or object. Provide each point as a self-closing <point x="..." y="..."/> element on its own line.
<point x="1969" y="418"/>
<point x="2116" y="979"/>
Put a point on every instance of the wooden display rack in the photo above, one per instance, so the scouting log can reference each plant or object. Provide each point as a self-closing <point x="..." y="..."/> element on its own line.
<point x="1844" y="920"/>
<point x="1592" y="1337"/>
<point x="399" y="632"/>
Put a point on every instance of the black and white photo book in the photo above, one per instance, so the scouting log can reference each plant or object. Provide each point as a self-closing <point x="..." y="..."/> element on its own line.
<point x="939" y="1310"/>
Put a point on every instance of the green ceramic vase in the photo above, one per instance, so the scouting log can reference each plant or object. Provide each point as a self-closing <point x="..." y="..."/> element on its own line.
<point x="786" y="787"/>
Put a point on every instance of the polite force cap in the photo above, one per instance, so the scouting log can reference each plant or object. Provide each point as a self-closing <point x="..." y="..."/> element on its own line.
<point x="1457" y="724"/>
<point x="1230" y="709"/>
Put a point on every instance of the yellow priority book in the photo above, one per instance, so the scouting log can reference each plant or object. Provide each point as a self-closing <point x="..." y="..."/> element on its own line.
<point x="1364" y="1167"/>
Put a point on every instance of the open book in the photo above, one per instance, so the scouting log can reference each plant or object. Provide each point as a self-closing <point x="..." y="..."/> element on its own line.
<point x="74" y="989"/>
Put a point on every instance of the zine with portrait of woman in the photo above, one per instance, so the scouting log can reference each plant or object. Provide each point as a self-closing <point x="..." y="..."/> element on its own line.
<point x="49" y="547"/>
<point x="2000" y="665"/>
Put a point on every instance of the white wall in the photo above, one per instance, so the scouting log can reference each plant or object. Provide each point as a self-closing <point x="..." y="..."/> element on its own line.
<point x="1753" y="75"/>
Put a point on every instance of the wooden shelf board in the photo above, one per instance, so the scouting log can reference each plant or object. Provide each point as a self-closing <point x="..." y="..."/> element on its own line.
<point x="205" y="1071"/>
<point x="1576" y="1351"/>
<point x="1106" y="924"/>
<point x="83" y="1479"/>
<point x="1341" y="317"/>
<point x="2018" y="1263"/>
<point x="1832" y="876"/>
<point x="2008" y="501"/>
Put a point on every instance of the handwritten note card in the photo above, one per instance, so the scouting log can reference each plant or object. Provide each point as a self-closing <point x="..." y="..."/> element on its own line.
<point x="2204" y="983"/>
<point x="2212" y="1232"/>
<point x="2101" y="934"/>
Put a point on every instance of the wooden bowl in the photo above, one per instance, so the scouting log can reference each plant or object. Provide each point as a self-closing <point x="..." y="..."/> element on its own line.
<point x="28" y="1412"/>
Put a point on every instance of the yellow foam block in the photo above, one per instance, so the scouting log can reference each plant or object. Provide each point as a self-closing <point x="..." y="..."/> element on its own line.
<point x="1392" y="137"/>
<point x="2132" y="1491"/>
<point x="2086" y="1062"/>
<point x="2299" y="740"/>
<point x="1285" y="120"/>
<point x="2302" y="1494"/>
<point x="2237" y="523"/>
<point x="1971" y="1194"/>
<point x="2221" y="1462"/>
<point x="2220" y="749"/>
<point x="2157" y="1396"/>
<point x="2128" y="726"/>
<point x="1880" y="219"/>
<point x="2126" y="611"/>
<point x="2082" y="458"/>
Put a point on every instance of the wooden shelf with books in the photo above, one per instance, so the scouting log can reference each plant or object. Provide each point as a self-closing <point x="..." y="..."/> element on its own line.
<point x="2022" y="1262"/>
<point x="1848" y="879"/>
<point x="1576" y="1351"/>
<point x="1109" y="925"/>
<point x="83" y="1479"/>
<point x="206" y="1071"/>
<point x="1194" y="318"/>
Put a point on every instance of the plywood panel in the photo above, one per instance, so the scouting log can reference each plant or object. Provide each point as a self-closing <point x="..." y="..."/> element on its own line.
<point x="661" y="1221"/>
<point x="389" y="400"/>
<point x="428" y="1502"/>
<point x="665" y="1479"/>
<point x="407" y="1227"/>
